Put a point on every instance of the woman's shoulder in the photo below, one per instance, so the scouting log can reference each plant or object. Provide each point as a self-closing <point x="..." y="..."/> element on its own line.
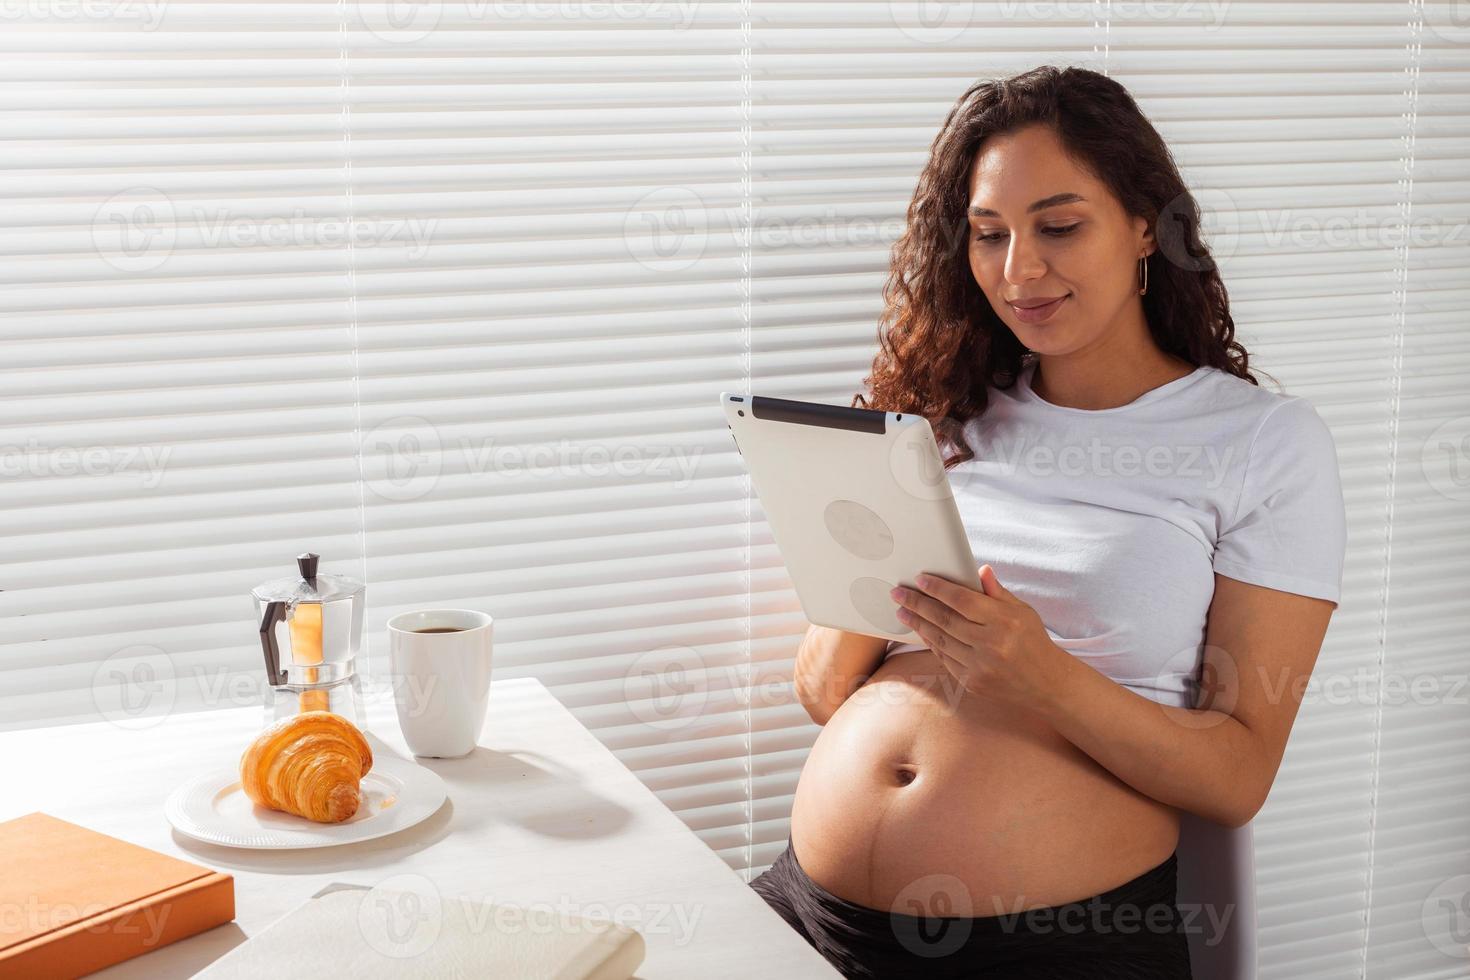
<point x="1264" y="407"/>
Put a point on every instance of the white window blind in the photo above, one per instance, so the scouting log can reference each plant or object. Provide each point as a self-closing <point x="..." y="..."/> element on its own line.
<point x="512" y="252"/>
<point x="176" y="380"/>
<point x="553" y="359"/>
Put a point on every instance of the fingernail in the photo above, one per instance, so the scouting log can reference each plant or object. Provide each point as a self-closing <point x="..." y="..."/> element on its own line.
<point x="922" y="581"/>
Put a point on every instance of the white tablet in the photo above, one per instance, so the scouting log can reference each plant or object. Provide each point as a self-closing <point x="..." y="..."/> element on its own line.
<point x="857" y="501"/>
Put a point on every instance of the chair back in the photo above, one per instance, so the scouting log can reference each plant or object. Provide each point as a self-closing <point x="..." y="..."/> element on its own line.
<point x="1217" y="876"/>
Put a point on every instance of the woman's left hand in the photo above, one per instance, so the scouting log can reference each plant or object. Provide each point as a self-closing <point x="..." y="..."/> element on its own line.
<point x="993" y="643"/>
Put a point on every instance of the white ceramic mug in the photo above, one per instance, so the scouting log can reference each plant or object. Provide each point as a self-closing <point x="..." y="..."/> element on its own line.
<point x="441" y="680"/>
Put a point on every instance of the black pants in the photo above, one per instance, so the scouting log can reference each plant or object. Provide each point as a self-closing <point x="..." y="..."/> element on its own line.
<point x="1131" y="932"/>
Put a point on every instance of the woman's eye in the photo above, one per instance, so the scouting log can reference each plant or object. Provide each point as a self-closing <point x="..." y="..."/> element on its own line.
<point x="1056" y="232"/>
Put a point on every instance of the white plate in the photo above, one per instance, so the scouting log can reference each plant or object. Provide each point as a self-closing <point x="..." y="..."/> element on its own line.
<point x="397" y="793"/>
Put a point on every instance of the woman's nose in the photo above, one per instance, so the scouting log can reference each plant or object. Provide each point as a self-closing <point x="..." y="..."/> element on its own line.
<point x="1023" y="261"/>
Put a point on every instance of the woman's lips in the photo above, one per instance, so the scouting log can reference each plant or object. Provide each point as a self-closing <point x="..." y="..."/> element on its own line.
<point x="1039" y="314"/>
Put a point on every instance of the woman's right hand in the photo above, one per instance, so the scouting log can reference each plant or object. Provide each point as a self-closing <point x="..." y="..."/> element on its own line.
<point x="832" y="663"/>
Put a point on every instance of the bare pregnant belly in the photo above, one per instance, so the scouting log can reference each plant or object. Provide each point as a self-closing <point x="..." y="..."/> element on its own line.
<point x="909" y="780"/>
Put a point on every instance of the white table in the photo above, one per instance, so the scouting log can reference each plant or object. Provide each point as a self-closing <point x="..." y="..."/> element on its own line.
<point x="541" y="812"/>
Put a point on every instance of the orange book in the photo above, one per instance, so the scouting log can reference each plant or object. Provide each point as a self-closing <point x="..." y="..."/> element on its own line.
<point x="77" y="901"/>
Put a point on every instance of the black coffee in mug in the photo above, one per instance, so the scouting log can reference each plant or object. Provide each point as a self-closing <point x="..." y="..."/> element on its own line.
<point x="440" y="629"/>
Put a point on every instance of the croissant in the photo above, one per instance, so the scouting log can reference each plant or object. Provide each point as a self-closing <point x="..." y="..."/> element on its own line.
<point x="309" y="764"/>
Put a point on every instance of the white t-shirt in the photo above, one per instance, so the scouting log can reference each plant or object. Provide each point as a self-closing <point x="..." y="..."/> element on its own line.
<point x="1112" y="523"/>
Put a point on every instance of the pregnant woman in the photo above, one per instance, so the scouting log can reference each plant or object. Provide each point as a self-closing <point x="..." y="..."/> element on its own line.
<point x="1162" y="543"/>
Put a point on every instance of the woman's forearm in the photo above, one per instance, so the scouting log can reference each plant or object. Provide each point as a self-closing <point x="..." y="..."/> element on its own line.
<point x="830" y="665"/>
<point x="1201" y="761"/>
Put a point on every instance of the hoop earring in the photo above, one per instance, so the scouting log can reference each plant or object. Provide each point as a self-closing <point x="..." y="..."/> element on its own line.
<point x="1143" y="273"/>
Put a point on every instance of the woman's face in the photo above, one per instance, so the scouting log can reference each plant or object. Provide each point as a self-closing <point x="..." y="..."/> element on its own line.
<point x="1078" y="243"/>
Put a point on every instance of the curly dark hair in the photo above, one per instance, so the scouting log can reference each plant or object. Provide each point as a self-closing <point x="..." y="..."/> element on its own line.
<point x="939" y="341"/>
